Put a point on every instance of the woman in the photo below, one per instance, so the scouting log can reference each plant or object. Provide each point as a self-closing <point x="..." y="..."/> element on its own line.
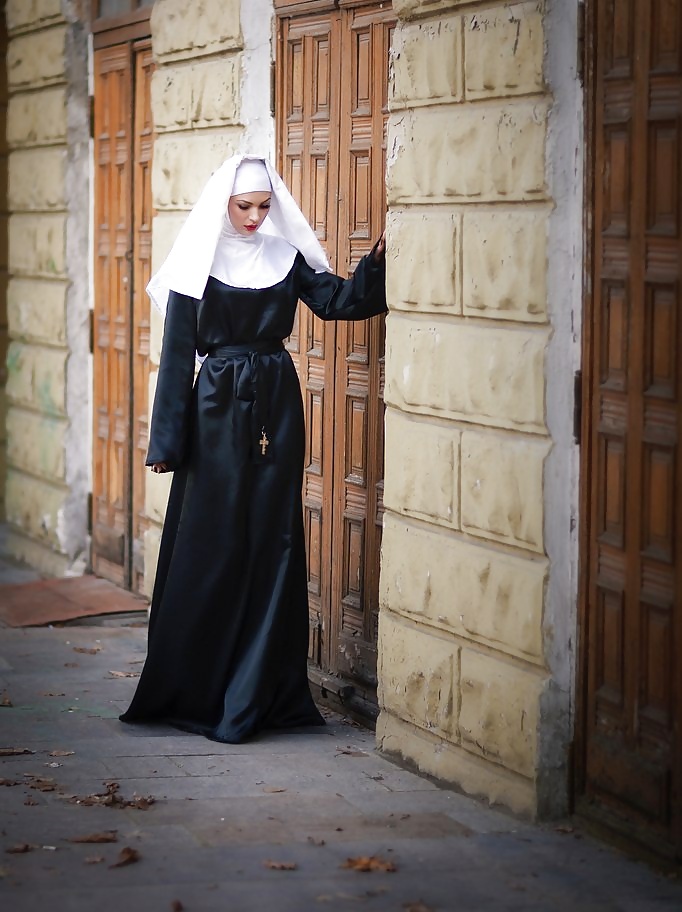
<point x="228" y="631"/>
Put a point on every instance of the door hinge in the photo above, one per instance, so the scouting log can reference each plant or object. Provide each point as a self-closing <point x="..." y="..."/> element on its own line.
<point x="91" y="319"/>
<point x="89" y="524"/>
<point x="91" y="116"/>
<point x="577" y="406"/>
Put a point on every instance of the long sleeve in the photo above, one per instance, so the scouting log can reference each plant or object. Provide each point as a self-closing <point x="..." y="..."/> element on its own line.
<point x="168" y="432"/>
<point x="330" y="297"/>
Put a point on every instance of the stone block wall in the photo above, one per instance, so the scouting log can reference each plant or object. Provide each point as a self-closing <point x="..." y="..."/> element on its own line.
<point x="47" y="386"/>
<point x="4" y="341"/>
<point x="464" y="661"/>
<point x="210" y="99"/>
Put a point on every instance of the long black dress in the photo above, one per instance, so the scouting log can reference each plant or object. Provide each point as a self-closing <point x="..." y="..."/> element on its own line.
<point x="228" y="631"/>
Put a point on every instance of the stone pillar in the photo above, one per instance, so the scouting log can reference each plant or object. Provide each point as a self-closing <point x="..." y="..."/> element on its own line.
<point x="206" y="64"/>
<point x="48" y="450"/>
<point x="466" y="660"/>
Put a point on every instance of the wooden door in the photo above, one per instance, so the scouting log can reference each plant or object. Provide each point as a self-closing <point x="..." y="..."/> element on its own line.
<point x="331" y="136"/>
<point x="123" y="143"/>
<point x="632" y="466"/>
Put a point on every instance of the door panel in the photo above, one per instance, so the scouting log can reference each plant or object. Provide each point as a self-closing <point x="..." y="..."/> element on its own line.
<point x="123" y="145"/>
<point x="633" y="714"/>
<point x="332" y="153"/>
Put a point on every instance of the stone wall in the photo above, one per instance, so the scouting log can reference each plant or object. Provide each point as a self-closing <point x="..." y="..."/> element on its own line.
<point x="210" y="99"/>
<point x="4" y="340"/>
<point x="47" y="297"/>
<point x="465" y="668"/>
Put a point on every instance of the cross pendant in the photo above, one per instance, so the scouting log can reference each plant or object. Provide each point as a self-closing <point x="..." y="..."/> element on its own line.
<point x="264" y="442"/>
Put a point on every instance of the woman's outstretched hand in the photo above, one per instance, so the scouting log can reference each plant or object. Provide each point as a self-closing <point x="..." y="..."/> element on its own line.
<point x="380" y="249"/>
<point x="159" y="467"/>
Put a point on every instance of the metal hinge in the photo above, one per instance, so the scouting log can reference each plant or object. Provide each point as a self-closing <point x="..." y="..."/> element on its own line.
<point x="577" y="406"/>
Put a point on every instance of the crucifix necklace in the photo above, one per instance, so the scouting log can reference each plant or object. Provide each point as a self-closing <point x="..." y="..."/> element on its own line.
<point x="264" y="442"/>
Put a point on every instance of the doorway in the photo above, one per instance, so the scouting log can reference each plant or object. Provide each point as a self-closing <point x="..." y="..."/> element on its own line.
<point x="123" y="140"/>
<point x="331" y="139"/>
<point x="630" y="730"/>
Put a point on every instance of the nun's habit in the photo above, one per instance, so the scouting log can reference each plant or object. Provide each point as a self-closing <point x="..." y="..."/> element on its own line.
<point x="228" y="633"/>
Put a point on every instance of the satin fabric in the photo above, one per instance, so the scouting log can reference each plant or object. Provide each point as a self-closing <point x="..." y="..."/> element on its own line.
<point x="228" y="635"/>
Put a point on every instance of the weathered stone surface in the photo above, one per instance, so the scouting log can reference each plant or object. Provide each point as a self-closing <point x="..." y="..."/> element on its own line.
<point x="36" y="443"/>
<point x="34" y="506"/>
<point x="481" y="154"/>
<point x="504" y="264"/>
<point x="181" y="29"/>
<point x="37" y="310"/>
<point x="205" y="94"/>
<point x="427" y="63"/>
<point x="449" y="762"/>
<point x="40" y="555"/>
<point x="488" y="375"/>
<point x="503" y="51"/>
<point x="499" y="711"/>
<point x="418" y="672"/>
<point x="423" y="479"/>
<point x="502" y="490"/>
<point x="476" y="592"/>
<point x="165" y="228"/>
<point x="183" y="164"/>
<point x="37" y="118"/>
<point x="36" y="378"/>
<point x="37" y="59"/>
<point x="423" y="257"/>
<point x="36" y="180"/>
<point x="37" y="245"/>
<point x="409" y="8"/>
<point x="24" y="13"/>
<point x="152" y="542"/>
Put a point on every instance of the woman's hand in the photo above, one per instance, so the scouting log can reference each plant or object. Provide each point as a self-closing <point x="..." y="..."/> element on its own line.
<point x="380" y="249"/>
<point x="159" y="467"/>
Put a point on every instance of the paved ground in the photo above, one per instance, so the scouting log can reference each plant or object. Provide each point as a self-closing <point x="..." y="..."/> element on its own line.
<point x="268" y="825"/>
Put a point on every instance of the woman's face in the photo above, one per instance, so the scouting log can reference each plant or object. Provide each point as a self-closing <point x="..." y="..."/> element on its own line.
<point x="247" y="211"/>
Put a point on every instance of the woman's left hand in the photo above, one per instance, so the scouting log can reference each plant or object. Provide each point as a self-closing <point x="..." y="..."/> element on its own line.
<point x="380" y="249"/>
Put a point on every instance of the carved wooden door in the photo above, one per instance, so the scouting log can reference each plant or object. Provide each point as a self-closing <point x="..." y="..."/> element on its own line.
<point x="123" y="147"/>
<point x="331" y="135"/>
<point x="633" y="460"/>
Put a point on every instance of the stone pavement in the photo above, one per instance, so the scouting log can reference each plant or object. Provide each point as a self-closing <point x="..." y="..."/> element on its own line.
<point x="265" y="825"/>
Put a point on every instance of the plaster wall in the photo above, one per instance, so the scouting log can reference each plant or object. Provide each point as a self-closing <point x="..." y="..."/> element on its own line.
<point x="47" y="387"/>
<point x="477" y="589"/>
<point x="210" y="99"/>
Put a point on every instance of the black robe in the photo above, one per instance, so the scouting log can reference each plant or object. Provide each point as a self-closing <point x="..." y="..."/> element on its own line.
<point x="228" y="632"/>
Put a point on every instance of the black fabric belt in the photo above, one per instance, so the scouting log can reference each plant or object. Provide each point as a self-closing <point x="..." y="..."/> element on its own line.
<point x="250" y="386"/>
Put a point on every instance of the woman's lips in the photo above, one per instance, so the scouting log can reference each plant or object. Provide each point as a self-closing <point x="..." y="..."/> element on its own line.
<point x="251" y="227"/>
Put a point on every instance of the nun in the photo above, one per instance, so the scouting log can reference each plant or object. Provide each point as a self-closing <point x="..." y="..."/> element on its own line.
<point x="228" y="631"/>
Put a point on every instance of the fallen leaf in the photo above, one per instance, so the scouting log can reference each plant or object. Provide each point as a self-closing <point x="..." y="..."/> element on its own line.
<point x="104" y="836"/>
<point x="564" y="829"/>
<point x="281" y="865"/>
<point x="111" y="798"/>
<point x="94" y="859"/>
<point x="125" y="674"/>
<point x="5" y="701"/>
<point x="350" y="752"/>
<point x="125" y="857"/>
<point x="9" y="782"/>
<point x="21" y="848"/>
<point x="273" y="789"/>
<point x="60" y="753"/>
<point x="369" y="863"/>
<point x="31" y="802"/>
<point x="14" y="751"/>
<point x="41" y="783"/>
<point x="88" y="650"/>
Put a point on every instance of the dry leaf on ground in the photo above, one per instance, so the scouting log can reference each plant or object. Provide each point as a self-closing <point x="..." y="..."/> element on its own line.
<point x="126" y="856"/>
<point x="104" y="836"/>
<point x="369" y="863"/>
<point x="111" y="798"/>
<point x="14" y="751"/>
<point x="88" y="650"/>
<point x="60" y="753"/>
<point x="9" y="782"/>
<point x="94" y="859"/>
<point x="41" y="783"/>
<point x="273" y="789"/>
<point x="5" y="700"/>
<point x="281" y="865"/>
<point x="21" y="848"/>
<point x="31" y="802"/>
<point x="125" y="674"/>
